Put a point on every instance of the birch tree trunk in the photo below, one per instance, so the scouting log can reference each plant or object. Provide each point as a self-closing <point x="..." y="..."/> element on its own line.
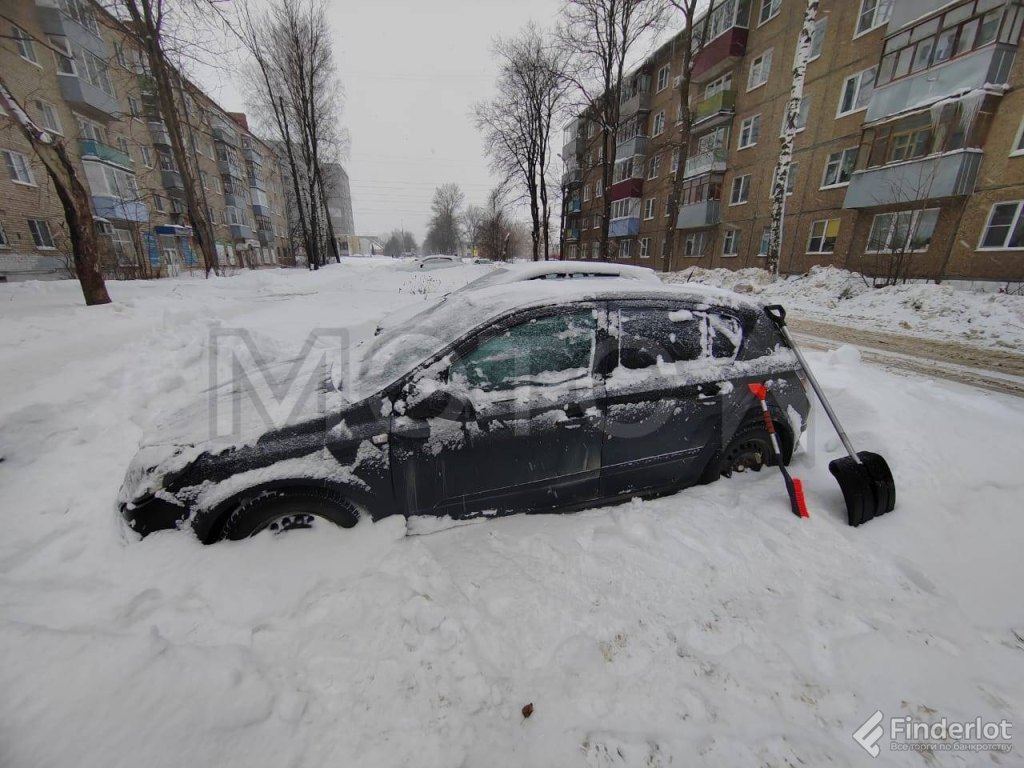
<point x="785" y="161"/>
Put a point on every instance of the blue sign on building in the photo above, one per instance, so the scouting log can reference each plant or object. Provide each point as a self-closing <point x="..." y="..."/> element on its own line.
<point x="149" y="242"/>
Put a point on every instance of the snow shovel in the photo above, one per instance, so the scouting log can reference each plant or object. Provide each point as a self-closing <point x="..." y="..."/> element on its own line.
<point x="864" y="477"/>
<point x="794" y="487"/>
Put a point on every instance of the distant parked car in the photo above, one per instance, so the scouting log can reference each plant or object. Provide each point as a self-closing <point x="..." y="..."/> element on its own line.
<point x="432" y="262"/>
<point x="511" y="398"/>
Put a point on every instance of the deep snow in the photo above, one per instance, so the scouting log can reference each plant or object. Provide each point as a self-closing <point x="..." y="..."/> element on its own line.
<point x="710" y="628"/>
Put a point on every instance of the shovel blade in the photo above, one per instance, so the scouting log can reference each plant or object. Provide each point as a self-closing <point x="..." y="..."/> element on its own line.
<point x="868" y="487"/>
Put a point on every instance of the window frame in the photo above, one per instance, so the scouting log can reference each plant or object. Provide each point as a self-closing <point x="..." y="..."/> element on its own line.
<point x="822" y="24"/>
<point x="653" y="167"/>
<point x="25" y="46"/>
<point x="839" y="167"/>
<point x="666" y="70"/>
<point x="658" y="124"/>
<point x="761" y="19"/>
<point x="752" y="120"/>
<point x="858" y="80"/>
<point x="1017" y="148"/>
<point x="645" y="248"/>
<point x="36" y="232"/>
<point x="743" y="189"/>
<point x="823" y="237"/>
<point x="42" y="106"/>
<point x="731" y="239"/>
<point x="762" y="69"/>
<point x="5" y="241"/>
<point x="1014" y="223"/>
<point x="10" y="154"/>
<point x="875" y="23"/>
<point x="763" y="243"/>
<point x="650" y="204"/>
<point x="915" y="220"/>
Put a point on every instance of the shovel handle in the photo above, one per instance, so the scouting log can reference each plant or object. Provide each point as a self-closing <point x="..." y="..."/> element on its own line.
<point x="777" y="313"/>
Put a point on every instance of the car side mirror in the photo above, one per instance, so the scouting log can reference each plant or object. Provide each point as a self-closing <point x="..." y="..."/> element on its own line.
<point x="440" y="402"/>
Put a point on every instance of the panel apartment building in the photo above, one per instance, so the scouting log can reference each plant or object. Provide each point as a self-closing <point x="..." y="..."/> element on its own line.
<point x="910" y="144"/>
<point x="77" y="73"/>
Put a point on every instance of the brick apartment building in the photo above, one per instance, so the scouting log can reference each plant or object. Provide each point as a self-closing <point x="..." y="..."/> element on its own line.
<point x="911" y="144"/>
<point x="77" y="73"/>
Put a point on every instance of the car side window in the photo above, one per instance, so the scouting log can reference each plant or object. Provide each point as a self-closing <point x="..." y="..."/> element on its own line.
<point x="651" y="336"/>
<point x="538" y="352"/>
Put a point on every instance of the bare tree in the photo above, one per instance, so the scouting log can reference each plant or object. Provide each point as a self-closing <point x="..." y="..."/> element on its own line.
<point x="517" y="123"/>
<point x="296" y="92"/>
<point x="74" y="198"/>
<point x="600" y="36"/>
<point x="472" y="220"/>
<point x="399" y="242"/>
<point x="149" y="20"/>
<point x="785" y="161"/>
<point x="443" y="232"/>
<point x="693" y="40"/>
<point x="496" y="230"/>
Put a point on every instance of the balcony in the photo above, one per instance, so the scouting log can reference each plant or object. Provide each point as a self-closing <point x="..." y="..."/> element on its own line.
<point x="94" y="150"/>
<point x="573" y="206"/>
<point x="574" y="147"/>
<point x="572" y="176"/>
<point x="638" y="102"/>
<point x="720" y="54"/>
<point x="234" y="200"/>
<point x="265" y="236"/>
<point x="572" y="235"/>
<point x="55" y="22"/>
<point x="225" y="136"/>
<point x="240" y="232"/>
<point x="230" y="168"/>
<point x="986" y="66"/>
<point x="631" y="147"/>
<point x="158" y="133"/>
<point x="717" y="109"/>
<point x="624" y="227"/>
<point x="117" y="209"/>
<point x="173" y="183"/>
<point x="87" y="98"/>
<point x="705" y="162"/>
<point x="628" y="187"/>
<point x="261" y="209"/>
<point x="950" y="174"/>
<point x="147" y="83"/>
<point x="257" y="183"/>
<point x="706" y="213"/>
<point x="250" y="154"/>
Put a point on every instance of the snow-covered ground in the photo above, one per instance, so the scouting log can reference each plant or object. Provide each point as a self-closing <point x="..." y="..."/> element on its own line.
<point x="710" y="628"/>
<point x="945" y="312"/>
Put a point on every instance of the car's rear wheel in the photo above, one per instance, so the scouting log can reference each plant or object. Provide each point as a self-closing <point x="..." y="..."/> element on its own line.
<point x="279" y="511"/>
<point x="749" y="450"/>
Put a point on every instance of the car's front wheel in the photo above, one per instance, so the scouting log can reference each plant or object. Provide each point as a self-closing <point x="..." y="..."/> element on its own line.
<point x="278" y="511"/>
<point x="749" y="450"/>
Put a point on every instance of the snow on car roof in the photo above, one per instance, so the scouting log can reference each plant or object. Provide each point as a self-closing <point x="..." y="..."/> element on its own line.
<point x="541" y="270"/>
<point x="402" y="347"/>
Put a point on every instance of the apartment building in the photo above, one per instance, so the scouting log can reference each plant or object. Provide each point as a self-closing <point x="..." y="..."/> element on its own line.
<point x="78" y="73"/>
<point x="909" y="154"/>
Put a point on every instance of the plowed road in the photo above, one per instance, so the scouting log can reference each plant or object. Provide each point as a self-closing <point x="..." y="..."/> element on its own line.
<point x="997" y="370"/>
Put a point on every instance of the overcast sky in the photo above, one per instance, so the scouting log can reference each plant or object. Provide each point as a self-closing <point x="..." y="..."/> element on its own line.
<point x="412" y="70"/>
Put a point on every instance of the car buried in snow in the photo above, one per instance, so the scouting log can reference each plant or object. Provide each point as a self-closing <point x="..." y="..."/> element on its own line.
<point x="535" y="396"/>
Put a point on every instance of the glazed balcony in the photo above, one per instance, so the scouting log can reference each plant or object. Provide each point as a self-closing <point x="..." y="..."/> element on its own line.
<point x="631" y="147"/>
<point x="87" y="98"/>
<point x="624" y="227"/>
<point x="572" y="235"/>
<point x="951" y="174"/>
<point x="94" y="150"/>
<point x="240" y="231"/>
<point x="705" y="162"/>
<point x="628" y="187"/>
<point x="638" y="102"/>
<point x="59" y="24"/>
<point x="118" y="209"/>
<point x="158" y="133"/>
<point x="706" y="213"/>
<point x="173" y="183"/>
<point x="573" y="206"/>
<point x="265" y="236"/>
<point x="720" y="54"/>
<point x="574" y="147"/>
<point x="572" y="176"/>
<point x="715" y="110"/>
<point x="147" y="83"/>
<point x="230" y="168"/>
<point x="225" y="136"/>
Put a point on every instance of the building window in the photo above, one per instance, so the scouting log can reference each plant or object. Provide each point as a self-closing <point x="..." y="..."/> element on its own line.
<point x="1005" y="227"/>
<point x="4" y="242"/>
<point x="158" y="202"/>
<point x="801" y="115"/>
<point x="624" y="248"/>
<point x="649" y="206"/>
<point x="750" y="131"/>
<point x="856" y="93"/>
<point x="23" y="41"/>
<point x="595" y="250"/>
<point x="586" y="192"/>
<point x="1018" y="144"/>
<point x="133" y="107"/>
<point x="19" y="168"/>
<point x="902" y="232"/>
<point x="910" y="145"/>
<point x="645" y="248"/>
<point x="766" y="239"/>
<point x="790" y="181"/>
<point x="818" y="39"/>
<point x="41" y="235"/>
<point x="760" y="69"/>
<point x="676" y="153"/>
<point x="839" y="168"/>
<point x="663" y="77"/>
<point x="119" y="55"/>
<point x="659" y="124"/>
<point x="740" y="191"/>
<point x="64" y="61"/>
<point x="147" y="157"/>
<point x="122" y="144"/>
<point x="873" y="13"/>
<point x="48" y="117"/>
<point x="824" y="234"/>
<point x="769" y="10"/>
<point x="695" y="244"/>
<point x="599" y="188"/>
<point x="654" y="167"/>
<point x="731" y="242"/>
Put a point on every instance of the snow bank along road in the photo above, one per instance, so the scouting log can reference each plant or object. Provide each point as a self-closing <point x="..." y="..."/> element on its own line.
<point x="709" y="628"/>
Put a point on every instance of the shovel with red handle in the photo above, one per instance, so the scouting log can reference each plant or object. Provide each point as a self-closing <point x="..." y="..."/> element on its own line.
<point x="794" y="487"/>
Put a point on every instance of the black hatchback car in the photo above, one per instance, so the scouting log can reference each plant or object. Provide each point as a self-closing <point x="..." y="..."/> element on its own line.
<point x="531" y="397"/>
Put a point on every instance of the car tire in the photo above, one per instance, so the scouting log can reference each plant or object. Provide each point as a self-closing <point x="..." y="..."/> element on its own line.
<point x="288" y="509"/>
<point x="750" y="449"/>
